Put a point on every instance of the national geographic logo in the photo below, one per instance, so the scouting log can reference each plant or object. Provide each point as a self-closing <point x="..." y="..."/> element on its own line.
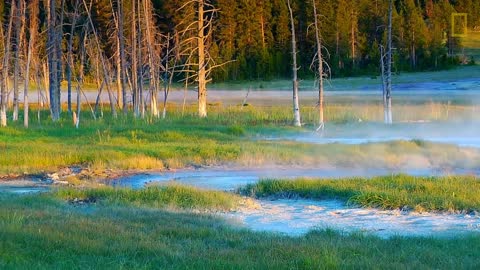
<point x="459" y="25"/>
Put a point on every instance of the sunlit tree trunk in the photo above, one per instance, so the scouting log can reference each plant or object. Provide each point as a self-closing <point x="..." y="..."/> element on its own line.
<point x="33" y="18"/>
<point x="19" y="33"/>
<point x="123" y="64"/>
<point x="202" y="81"/>
<point x="150" y="41"/>
<point x="296" y="106"/>
<point x="140" y="58"/>
<point x="5" y="70"/>
<point x="134" y="60"/>
<point x="321" y="123"/>
<point x="80" y="80"/>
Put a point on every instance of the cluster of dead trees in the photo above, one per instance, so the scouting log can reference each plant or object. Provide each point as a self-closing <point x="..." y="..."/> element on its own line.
<point x="45" y="52"/>
<point x="44" y="43"/>
<point x="322" y="69"/>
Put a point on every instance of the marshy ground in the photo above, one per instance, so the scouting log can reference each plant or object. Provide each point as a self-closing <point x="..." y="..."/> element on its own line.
<point x="187" y="193"/>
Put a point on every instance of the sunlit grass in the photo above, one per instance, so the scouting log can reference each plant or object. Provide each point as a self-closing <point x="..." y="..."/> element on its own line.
<point x="228" y="136"/>
<point x="170" y="196"/>
<point x="41" y="232"/>
<point x="453" y="193"/>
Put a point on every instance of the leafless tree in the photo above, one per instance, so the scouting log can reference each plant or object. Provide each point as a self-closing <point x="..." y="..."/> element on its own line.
<point x="321" y="67"/>
<point x="53" y="52"/>
<point x="196" y="33"/>
<point x="121" y="55"/>
<point x="5" y="69"/>
<point x="388" y="84"/>
<point x="386" y="69"/>
<point x="19" y="30"/>
<point x="296" y="106"/>
<point x="70" y="65"/>
<point x="105" y="73"/>
<point x="33" y="28"/>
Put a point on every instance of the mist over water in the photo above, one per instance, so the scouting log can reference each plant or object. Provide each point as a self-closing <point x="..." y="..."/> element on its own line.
<point x="461" y="134"/>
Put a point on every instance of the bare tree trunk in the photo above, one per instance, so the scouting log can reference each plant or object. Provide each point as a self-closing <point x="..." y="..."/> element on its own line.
<point x="106" y="77"/>
<point x="296" y="107"/>
<point x="33" y="18"/>
<point x="52" y="47"/>
<point x="6" y="61"/>
<point x="262" y="25"/>
<point x="70" y="64"/>
<point x="123" y="65"/>
<point x="134" y="78"/>
<point x="19" y="30"/>
<point x="59" y="37"/>
<point x="119" y="75"/>
<point x="202" y="81"/>
<point x="384" y="92"/>
<point x="321" y="123"/>
<point x="46" y="84"/>
<point x="140" y="67"/>
<point x="80" y="81"/>
<point x="170" y="74"/>
<point x="151" y="60"/>
<point x="388" y="84"/>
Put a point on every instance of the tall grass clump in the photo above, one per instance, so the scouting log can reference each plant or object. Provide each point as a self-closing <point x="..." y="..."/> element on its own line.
<point x="169" y="196"/>
<point x="453" y="193"/>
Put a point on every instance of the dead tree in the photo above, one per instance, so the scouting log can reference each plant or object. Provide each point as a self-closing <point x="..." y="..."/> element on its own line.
<point x="386" y="70"/>
<point x="80" y="79"/>
<point x="70" y="64"/>
<point x="5" y="70"/>
<point x="53" y="52"/>
<point x="296" y="107"/>
<point x="169" y="70"/>
<point x="321" y="74"/>
<point x="387" y="77"/>
<point x="382" y="77"/>
<point x="134" y="63"/>
<point x="33" y="28"/>
<point x="196" y="33"/>
<point x="106" y="76"/>
<point x="121" y="54"/>
<point x="19" y="30"/>
<point x="140" y="63"/>
<point x="152" y="56"/>
<point x="202" y="72"/>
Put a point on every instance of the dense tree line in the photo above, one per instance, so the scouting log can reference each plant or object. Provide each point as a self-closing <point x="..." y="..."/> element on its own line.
<point x="137" y="48"/>
<point x="256" y="34"/>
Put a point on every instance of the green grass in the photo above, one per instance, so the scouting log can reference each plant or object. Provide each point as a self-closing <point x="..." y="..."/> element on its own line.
<point x="453" y="193"/>
<point x="41" y="232"/>
<point x="228" y="136"/>
<point x="170" y="196"/>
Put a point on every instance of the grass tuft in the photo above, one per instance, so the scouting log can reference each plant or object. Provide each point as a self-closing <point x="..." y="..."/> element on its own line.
<point x="452" y="194"/>
<point x="169" y="196"/>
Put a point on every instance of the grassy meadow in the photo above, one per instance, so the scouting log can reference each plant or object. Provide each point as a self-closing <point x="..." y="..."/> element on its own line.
<point x="176" y="227"/>
<point x="230" y="135"/>
<point x="46" y="232"/>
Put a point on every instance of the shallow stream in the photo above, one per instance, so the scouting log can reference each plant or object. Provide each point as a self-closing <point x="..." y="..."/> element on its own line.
<point x="297" y="217"/>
